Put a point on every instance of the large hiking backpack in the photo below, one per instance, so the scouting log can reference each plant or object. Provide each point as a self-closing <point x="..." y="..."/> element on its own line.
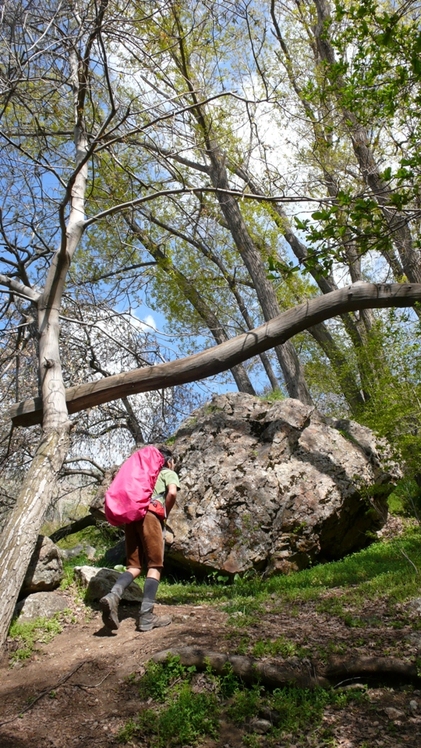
<point x="128" y="496"/>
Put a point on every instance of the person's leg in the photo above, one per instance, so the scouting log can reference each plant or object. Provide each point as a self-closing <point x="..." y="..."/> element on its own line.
<point x="109" y="603"/>
<point x="154" y="553"/>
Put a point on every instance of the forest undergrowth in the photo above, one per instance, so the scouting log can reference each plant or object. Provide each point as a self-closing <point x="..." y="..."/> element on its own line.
<point x="366" y="607"/>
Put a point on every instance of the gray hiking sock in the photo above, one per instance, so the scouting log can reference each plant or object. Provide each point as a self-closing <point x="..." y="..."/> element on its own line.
<point x="122" y="582"/>
<point x="149" y="594"/>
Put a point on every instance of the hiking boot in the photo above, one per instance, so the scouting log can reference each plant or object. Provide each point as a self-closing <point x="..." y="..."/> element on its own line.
<point x="148" y="621"/>
<point x="109" y="607"/>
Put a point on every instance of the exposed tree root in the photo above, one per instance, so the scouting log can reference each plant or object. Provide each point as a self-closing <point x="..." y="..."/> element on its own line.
<point x="295" y="671"/>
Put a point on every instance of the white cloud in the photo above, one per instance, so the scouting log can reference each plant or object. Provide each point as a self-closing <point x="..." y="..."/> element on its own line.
<point x="149" y="321"/>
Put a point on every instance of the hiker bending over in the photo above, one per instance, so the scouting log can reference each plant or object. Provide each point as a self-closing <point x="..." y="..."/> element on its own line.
<point x="144" y="540"/>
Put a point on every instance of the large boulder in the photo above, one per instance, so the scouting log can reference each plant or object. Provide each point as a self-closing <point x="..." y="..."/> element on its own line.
<point x="273" y="487"/>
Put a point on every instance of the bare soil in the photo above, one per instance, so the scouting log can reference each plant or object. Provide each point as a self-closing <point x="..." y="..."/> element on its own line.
<point x="76" y="692"/>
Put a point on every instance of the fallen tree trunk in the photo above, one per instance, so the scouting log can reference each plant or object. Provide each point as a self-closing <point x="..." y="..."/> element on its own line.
<point x="226" y="355"/>
<point x="73" y="527"/>
<point x="343" y="670"/>
<point x="296" y="672"/>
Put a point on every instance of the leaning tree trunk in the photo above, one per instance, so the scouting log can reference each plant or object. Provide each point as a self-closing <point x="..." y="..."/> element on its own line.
<point x="20" y="535"/>
<point x="220" y="358"/>
<point x="287" y="356"/>
<point x="23" y="524"/>
<point x="26" y="518"/>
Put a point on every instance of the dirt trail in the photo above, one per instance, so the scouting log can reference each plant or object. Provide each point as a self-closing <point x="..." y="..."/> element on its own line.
<point x="79" y="692"/>
<point x="93" y="702"/>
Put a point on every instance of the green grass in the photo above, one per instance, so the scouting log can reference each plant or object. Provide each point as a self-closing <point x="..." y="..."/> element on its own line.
<point x="273" y="396"/>
<point x="100" y="538"/>
<point x="189" y="717"/>
<point x="180" y="715"/>
<point x="69" y="568"/>
<point x="301" y="710"/>
<point x="28" y="634"/>
<point x="278" y="647"/>
<point x="391" y="568"/>
<point x="395" y="503"/>
<point x="186" y="707"/>
<point x="405" y="499"/>
<point x="160" y="680"/>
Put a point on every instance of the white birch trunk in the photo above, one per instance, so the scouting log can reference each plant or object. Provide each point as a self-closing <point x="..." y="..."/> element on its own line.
<point x="19" y="537"/>
<point x="22" y="529"/>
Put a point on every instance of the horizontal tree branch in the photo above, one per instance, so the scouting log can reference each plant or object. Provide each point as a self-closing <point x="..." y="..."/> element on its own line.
<point x="226" y="355"/>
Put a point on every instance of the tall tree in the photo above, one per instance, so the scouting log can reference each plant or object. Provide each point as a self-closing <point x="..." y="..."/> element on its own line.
<point x="106" y="111"/>
<point x="50" y="157"/>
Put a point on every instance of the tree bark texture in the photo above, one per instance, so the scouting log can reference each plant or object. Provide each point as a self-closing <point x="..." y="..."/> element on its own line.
<point x="222" y="357"/>
<point x="25" y="520"/>
<point x="303" y="674"/>
<point x="286" y="353"/>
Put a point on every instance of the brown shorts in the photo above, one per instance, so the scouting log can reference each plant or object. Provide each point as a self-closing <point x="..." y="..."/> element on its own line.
<point x="144" y="541"/>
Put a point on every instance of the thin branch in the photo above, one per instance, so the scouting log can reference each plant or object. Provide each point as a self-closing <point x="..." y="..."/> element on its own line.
<point x="44" y="693"/>
<point x="172" y="115"/>
<point x="85" y="459"/>
<point x="408" y="559"/>
<point x="200" y="190"/>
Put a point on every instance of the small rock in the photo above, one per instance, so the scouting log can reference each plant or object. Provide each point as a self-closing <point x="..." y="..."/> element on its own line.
<point x="393" y="713"/>
<point x="261" y="726"/>
<point x="415" y="604"/>
<point x="90" y="552"/>
<point x="413" y="706"/>
<point x="77" y="550"/>
<point x="354" y="687"/>
<point x="415" y="639"/>
<point x="98" y="582"/>
<point x="45" y="570"/>
<point x="41" y="605"/>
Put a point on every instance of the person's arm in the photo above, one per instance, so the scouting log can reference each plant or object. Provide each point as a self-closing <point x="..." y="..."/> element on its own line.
<point x="170" y="497"/>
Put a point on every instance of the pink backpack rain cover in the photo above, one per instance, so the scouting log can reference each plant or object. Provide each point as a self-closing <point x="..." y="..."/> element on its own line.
<point x="128" y="496"/>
